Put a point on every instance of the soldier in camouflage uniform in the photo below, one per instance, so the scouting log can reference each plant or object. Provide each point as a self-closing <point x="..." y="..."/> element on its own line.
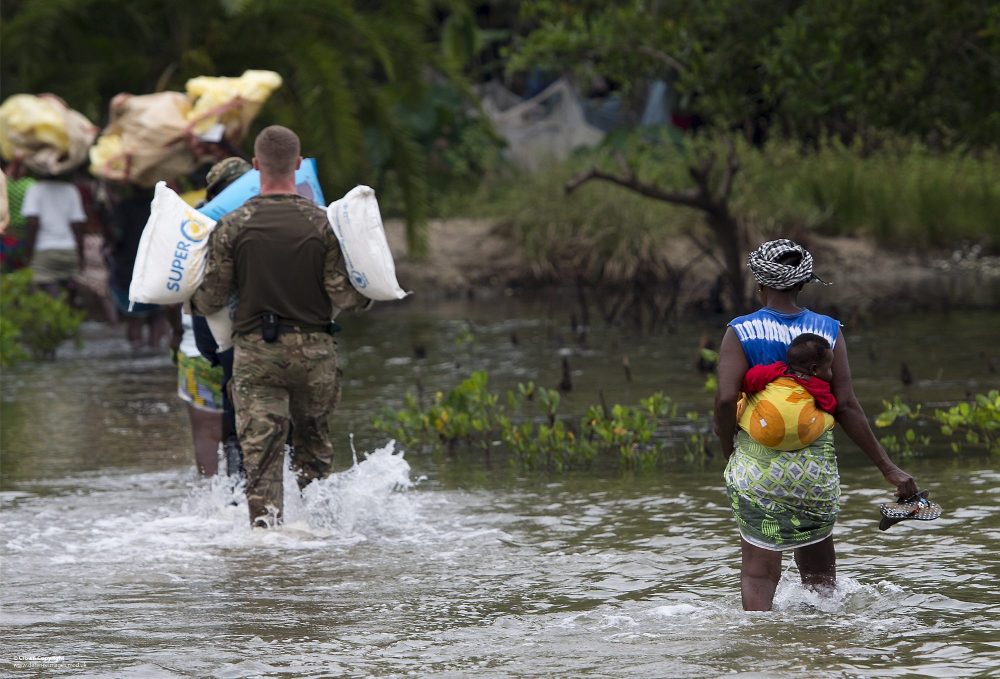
<point x="279" y="254"/>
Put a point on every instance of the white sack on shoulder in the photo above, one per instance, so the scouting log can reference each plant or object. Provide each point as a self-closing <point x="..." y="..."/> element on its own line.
<point x="220" y="324"/>
<point x="356" y="221"/>
<point x="170" y="262"/>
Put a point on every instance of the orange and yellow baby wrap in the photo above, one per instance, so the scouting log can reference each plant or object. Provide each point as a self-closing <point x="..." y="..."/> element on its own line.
<point x="783" y="416"/>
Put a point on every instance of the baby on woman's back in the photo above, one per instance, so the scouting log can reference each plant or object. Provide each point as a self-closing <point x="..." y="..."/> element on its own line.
<point x="788" y="404"/>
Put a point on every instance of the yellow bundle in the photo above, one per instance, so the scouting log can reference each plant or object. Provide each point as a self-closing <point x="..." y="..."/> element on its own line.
<point x="46" y="135"/>
<point x="160" y="136"/>
<point x="146" y="140"/>
<point x="233" y="102"/>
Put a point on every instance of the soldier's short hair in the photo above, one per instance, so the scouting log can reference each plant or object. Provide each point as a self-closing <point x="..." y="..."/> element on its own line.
<point x="277" y="150"/>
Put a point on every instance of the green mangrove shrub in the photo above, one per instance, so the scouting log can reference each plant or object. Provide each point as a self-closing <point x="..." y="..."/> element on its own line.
<point x="974" y="423"/>
<point x="466" y="414"/>
<point x="529" y="424"/>
<point x="32" y="323"/>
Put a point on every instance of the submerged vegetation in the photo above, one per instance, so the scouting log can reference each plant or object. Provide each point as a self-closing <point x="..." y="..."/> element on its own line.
<point x="527" y="424"/>
<point x="970" y="424"/>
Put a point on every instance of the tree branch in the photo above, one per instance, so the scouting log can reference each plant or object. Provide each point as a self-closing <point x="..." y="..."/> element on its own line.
<point x="700" y="174"/>
<point x="706" y="250"/>
<point x="732" y="167"/>
<point x="662" y="57"/>
<point x="623" y="164"/>
<point x="693" y="199"/>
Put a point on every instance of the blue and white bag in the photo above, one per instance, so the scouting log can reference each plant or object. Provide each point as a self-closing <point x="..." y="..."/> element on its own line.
<point x="170" y="261"/>
<point x="248" y="186"/>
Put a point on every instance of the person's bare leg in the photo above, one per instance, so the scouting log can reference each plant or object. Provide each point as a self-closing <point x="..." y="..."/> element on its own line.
<point x="159" y="329"/>
<point x="206" y="429"/>
<point x="818" y="565"/>
<point x="108" y="307"/>
<point x="759" y="575"/>
<point x="133" y="332"/>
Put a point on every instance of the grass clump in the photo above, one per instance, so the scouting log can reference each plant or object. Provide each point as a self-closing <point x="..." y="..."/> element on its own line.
<point x="902" y="196"/>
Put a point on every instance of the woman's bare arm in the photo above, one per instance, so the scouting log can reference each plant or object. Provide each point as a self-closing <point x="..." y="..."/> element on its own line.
<point x="851" y="417"/>
<point x="732" y="367"/>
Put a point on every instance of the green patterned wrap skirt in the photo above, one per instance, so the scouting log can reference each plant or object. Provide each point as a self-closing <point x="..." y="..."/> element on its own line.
<point x="199" y="382"/>
<point x="784" y="499"/>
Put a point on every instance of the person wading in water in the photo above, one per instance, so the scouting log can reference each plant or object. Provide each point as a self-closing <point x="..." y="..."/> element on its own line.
<point x="278" y="253"/>
<point x="787" y="500"/>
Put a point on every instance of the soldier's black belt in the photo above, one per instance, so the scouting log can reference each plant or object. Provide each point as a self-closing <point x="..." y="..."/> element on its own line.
<point x="331" y="328"/>
<point x="303" y="327"/>
<point x="272" y="326"/>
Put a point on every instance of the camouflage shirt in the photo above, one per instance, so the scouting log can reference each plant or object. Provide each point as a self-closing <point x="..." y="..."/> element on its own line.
<point x="278" y="253"/>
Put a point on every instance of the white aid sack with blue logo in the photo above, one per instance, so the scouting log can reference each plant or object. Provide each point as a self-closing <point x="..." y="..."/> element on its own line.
<point x="170" y="262"/>
<point x="356" y="221"/>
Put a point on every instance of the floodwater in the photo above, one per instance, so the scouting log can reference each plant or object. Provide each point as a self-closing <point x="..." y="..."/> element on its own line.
<point x="117" y="561"/>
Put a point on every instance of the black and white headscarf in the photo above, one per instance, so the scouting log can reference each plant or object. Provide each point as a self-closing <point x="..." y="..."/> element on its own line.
<point x="769" y="273"/>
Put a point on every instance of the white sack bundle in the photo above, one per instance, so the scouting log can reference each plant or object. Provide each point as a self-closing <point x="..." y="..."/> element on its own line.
<point x="356" y="221"/>
<point x="220" y="324"/>
<point x="170" y="262"/>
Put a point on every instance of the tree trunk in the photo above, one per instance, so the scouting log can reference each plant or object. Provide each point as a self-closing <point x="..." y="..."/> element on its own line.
<point x="729" y="238"/>
<point x="726" y="230"/>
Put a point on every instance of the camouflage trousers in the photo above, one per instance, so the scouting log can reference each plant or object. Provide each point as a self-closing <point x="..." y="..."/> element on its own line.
<point x="291" y="381"/>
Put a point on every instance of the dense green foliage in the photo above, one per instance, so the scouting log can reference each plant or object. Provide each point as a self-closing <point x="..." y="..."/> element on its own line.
<point x="32" y="323"/>
<point x="817" y="95"/>
<point x="805" y="68"/>
<point x="795" y="72"/>
<point x="356" y="76"/>
<point x="900" y="196"/>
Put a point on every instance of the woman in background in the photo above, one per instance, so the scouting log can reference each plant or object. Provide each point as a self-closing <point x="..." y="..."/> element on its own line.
<point x="199" y="383"/>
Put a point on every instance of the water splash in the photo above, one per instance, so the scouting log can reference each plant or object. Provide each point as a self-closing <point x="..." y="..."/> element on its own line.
<point x="847" y="597"/>
<point x="366" y="499"/>
<point x="674" y="610"/>
<point x="175" y="518"/>
<point x="368" y="496"/>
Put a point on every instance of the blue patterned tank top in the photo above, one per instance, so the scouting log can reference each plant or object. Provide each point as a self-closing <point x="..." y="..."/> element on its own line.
<point x="766" y="334"/>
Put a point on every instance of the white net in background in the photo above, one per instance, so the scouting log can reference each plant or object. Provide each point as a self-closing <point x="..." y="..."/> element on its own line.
<point x="547" y="127"/>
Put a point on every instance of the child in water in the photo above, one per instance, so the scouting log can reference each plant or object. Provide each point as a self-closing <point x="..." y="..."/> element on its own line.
<point x="788" y="404"/>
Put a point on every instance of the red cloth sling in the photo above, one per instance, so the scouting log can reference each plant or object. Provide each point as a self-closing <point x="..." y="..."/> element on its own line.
<point x="759" y="376"/>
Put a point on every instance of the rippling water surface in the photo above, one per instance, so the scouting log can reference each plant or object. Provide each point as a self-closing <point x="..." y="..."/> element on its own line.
<point x="119" y="562"/>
